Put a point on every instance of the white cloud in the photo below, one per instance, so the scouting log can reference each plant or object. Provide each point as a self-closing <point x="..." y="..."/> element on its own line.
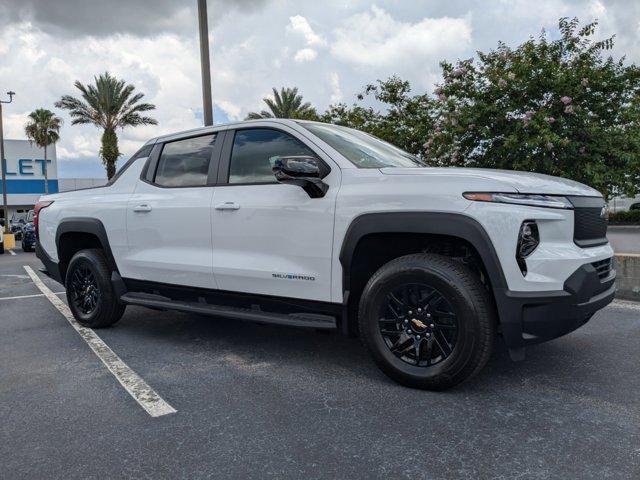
<point x="232" y="110"/>
<point x="305" y="55"/>
<point x="299" y="24"/>
<point x="264" y="44"/>
<point x="376" y="39"/>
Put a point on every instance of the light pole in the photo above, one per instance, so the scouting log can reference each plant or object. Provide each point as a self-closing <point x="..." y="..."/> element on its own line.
<point x="204" y="62"/>
<point x="3" y="166"/>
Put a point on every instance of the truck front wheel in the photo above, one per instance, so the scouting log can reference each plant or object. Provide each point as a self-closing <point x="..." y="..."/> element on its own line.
<point x="90" y="294"/>
<point x="427" y="321"/>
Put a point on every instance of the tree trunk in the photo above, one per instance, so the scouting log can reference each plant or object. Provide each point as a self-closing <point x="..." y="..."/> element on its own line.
<point x="109" y="151"/>
<point x="46" y="173"/>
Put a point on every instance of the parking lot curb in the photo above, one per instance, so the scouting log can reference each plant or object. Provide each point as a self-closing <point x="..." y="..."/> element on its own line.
<point x="628" y="279"/>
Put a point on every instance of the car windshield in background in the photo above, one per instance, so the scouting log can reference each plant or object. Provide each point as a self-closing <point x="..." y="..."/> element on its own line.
<point x="362" y="149"/>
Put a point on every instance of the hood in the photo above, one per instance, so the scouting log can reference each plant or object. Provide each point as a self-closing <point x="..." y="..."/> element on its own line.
<point x="523" y="182"/>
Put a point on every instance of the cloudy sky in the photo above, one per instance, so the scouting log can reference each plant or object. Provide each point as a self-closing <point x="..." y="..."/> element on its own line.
<point x="329" y="49"/>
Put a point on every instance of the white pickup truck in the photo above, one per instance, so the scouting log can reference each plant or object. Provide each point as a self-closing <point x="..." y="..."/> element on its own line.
<point x="314" y="225"/>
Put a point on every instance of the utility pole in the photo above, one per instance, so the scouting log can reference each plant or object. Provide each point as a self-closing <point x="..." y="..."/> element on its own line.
<point x="203" y="25"/>
<point x="3" y="167"/>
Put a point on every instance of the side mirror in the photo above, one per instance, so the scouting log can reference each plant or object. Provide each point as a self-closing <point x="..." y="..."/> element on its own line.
<point x="303" y="171"/>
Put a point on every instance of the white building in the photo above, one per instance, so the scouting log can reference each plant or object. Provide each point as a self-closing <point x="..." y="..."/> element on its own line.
<point x="25" y="167"/>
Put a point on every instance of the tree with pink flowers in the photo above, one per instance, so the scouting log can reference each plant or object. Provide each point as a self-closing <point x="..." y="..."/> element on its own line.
<point x="563" y="107"/>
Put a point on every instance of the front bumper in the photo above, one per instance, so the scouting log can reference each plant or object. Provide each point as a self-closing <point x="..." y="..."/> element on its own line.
<point x="527" y="318"/>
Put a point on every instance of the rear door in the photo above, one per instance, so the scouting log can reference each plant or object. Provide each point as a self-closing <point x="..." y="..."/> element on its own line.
<point x="168" y="216"/>
<point x="270" y="238"/>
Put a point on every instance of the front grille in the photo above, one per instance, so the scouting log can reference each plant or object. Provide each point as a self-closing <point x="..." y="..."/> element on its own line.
<point x="589" y="222"/>
<point x="603" y="267"/>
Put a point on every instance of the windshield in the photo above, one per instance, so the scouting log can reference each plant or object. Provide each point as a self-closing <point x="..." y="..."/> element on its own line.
<point x="362" y="149"/>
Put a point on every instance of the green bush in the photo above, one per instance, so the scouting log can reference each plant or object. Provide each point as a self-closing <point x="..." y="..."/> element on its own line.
<point x="632" y="217"/>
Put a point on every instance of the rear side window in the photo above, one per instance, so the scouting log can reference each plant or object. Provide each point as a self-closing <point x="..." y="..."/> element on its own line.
<point x="144" y="152"/>
<point x="185" y="163"/>
<point x="255" y="152"/>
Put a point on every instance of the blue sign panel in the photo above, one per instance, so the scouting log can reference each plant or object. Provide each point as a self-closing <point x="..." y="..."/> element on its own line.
<point x="33" y="187"/>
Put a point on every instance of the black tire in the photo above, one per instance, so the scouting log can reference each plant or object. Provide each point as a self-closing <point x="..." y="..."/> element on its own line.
<point x="1" y="247"/>
<point x="25" y="248"/>
<point x="95" y="305"/>
<point x="471" y="321"/>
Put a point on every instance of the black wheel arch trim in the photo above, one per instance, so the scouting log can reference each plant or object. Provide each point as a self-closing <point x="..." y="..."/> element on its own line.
<point x="432" y="223"/>
<point x="89" y="225"/>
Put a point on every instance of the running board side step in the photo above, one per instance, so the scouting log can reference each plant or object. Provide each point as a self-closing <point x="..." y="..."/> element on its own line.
<point x="306" y="320"/>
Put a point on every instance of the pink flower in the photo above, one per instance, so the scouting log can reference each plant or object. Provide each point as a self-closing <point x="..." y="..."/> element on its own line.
<point x="502" y="83"/>
<point x="442" y="97"/>
<point x="566" y="100"/>
<point x="568" y="109"/>
<point x="550" y="119"/>
<point x="459" y="72"/>
<point x="584" y="82"/>
<point x="438" y="90"/>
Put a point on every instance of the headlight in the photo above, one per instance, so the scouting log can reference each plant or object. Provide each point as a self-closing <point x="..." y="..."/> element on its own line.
<point x="548" y="201"/>
<point x="528" y="241"/>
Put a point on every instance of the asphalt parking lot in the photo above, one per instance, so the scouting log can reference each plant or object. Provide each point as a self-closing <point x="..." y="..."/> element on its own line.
<point x="257" y="401"/>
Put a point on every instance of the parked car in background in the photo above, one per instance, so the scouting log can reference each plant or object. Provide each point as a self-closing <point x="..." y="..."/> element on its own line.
<point x="28" y="238"/>
<point x="623" y="204"/>
<point x="18" y="220"/>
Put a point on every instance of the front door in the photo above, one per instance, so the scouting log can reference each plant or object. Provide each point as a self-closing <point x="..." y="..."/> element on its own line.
<point x="168" y="216"/>
<point x="270" y="238"/>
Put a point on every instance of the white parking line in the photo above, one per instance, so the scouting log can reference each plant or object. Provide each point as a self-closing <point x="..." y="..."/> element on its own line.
<point x="29" y="296"/>
<point x="142" y="393"/>
<point x="12" y="252"/>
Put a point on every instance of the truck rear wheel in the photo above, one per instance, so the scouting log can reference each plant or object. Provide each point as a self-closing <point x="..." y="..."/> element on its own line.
<point x="89" y="291"/>
<point x="427" y="321"/>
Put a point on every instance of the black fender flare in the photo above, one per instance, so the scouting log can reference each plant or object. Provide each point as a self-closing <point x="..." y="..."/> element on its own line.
<point x="434" y="223"/>
<point x="91" y="226"/>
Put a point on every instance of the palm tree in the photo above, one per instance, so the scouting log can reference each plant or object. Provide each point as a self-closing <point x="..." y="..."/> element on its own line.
<point x="109" y="104"/>
<point x="286" y="103"/>
<point x="43" y="129"/>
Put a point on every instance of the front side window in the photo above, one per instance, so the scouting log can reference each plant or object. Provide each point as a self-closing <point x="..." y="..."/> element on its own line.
<point x="255" y="152"/>
<point x="362" y="149"/>
<point x="185" y="163"/>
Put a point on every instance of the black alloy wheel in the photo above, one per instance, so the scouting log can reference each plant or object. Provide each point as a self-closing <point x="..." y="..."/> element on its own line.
<point x="84" y="290"/>
<point x="418" y="324"/>
<point x="90" y="293"/>
<point x="427" y="321"/>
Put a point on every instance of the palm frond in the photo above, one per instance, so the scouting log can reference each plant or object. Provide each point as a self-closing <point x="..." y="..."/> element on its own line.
<point x="43" y="127"/>
<point x="108" y="103"/>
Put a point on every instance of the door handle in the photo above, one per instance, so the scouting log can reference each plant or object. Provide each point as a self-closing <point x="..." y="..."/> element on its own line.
<point x="142" y="208"/>
<point x="228" y="206"/>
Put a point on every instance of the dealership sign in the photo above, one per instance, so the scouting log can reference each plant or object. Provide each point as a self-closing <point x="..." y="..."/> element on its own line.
<point x="25" y="168"/>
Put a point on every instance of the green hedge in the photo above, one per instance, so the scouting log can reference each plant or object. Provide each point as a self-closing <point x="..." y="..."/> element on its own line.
<point x="632" y="217"/>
